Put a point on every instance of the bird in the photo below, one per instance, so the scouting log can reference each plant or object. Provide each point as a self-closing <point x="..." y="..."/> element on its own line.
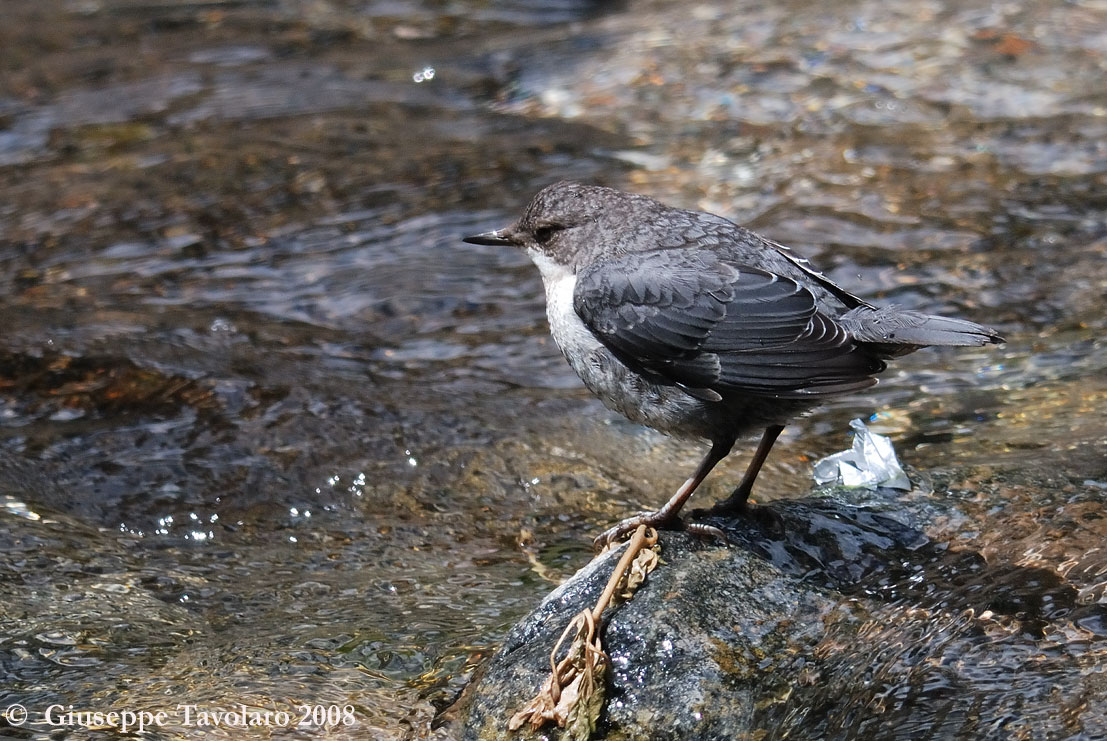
<point x="688" y="323"/>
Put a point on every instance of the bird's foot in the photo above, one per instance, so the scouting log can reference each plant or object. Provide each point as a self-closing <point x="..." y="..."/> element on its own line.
<point x="659" y="520"/>
<point x="726" y="509"/>
<point x="736" y="505"/>
<point x="741" y="509"/>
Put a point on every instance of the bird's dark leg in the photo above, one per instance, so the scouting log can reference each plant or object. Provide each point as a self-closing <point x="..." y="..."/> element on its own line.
<point x="736" y="502"/>
<point x="670" y="511"/>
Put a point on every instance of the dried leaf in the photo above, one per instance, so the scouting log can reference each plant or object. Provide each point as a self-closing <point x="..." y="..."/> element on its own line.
<point x="645" y="562"/>
<point x="585" y="713"/>
<point x="573" y="694"/>
<point x="570" y="688"/>
<point x="539" y="710"/>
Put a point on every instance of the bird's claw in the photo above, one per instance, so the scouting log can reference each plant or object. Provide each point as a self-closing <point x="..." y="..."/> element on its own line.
<point x="623" y="528"/>
<point x="656" y="520"/>
<point x="706" y="531"/>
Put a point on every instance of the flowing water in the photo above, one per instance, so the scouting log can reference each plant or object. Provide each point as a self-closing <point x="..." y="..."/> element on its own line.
<point x="272" y="438"/>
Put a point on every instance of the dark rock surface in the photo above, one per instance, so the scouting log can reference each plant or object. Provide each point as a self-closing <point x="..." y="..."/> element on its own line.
<point x="832" y="616"/>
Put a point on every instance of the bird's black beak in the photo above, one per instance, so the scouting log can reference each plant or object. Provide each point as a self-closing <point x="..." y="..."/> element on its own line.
<point x="492" y="239"/>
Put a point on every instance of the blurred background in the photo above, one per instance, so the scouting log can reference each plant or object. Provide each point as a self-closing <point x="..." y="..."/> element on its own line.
<point x="270" y="435"/>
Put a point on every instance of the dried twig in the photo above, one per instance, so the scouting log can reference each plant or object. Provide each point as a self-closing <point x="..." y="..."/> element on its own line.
<point x="572" y="696"/>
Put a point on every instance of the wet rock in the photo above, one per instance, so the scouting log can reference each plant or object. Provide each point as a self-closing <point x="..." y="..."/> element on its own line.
<point x="826" y="617"/>
<point x="687" y="653"/>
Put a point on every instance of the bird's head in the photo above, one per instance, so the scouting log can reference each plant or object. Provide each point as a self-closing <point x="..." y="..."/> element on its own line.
<point x="574" y="224"/>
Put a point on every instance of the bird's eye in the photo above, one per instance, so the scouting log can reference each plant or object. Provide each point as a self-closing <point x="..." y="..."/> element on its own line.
<point x="545" y="232"/>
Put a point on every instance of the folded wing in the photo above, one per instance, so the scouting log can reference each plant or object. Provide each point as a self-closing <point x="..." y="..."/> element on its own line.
<point x="690" y="318"/>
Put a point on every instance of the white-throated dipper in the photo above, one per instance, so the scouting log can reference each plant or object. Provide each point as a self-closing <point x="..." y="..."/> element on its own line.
<point x="697" y="327"/>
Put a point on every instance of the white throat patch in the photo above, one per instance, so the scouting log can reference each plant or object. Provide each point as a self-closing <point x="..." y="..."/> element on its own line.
<point x="570" y="333"/>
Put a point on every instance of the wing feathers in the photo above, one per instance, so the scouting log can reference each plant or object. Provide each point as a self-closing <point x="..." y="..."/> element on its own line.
<point x="715" y="326"/>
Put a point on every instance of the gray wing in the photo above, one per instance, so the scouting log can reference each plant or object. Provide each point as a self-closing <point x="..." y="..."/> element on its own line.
<point x="714" y="326"/>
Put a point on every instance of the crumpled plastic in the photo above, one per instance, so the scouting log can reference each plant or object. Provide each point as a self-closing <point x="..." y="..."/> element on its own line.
<point x="870" y="463"/>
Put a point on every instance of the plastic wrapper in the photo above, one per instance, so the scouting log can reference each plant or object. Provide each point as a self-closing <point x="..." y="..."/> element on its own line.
<point x="870" y="463"/>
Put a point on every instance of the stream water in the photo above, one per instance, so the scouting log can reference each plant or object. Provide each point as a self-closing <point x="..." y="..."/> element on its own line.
<point x="271" y="437"/>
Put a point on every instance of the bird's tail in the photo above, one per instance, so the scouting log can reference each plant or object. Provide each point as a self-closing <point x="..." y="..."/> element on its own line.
<point x="898" y="331"/>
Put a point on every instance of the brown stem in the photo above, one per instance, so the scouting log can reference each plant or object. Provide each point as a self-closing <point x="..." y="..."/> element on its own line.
<point x="637" y="542"/>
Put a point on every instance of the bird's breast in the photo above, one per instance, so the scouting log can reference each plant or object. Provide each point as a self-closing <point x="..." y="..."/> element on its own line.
<point x="661" y="406"/>
<point x="574" y="339"/>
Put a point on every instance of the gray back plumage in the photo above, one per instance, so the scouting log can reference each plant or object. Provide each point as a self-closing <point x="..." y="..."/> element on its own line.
<point x="692" y="299"/>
